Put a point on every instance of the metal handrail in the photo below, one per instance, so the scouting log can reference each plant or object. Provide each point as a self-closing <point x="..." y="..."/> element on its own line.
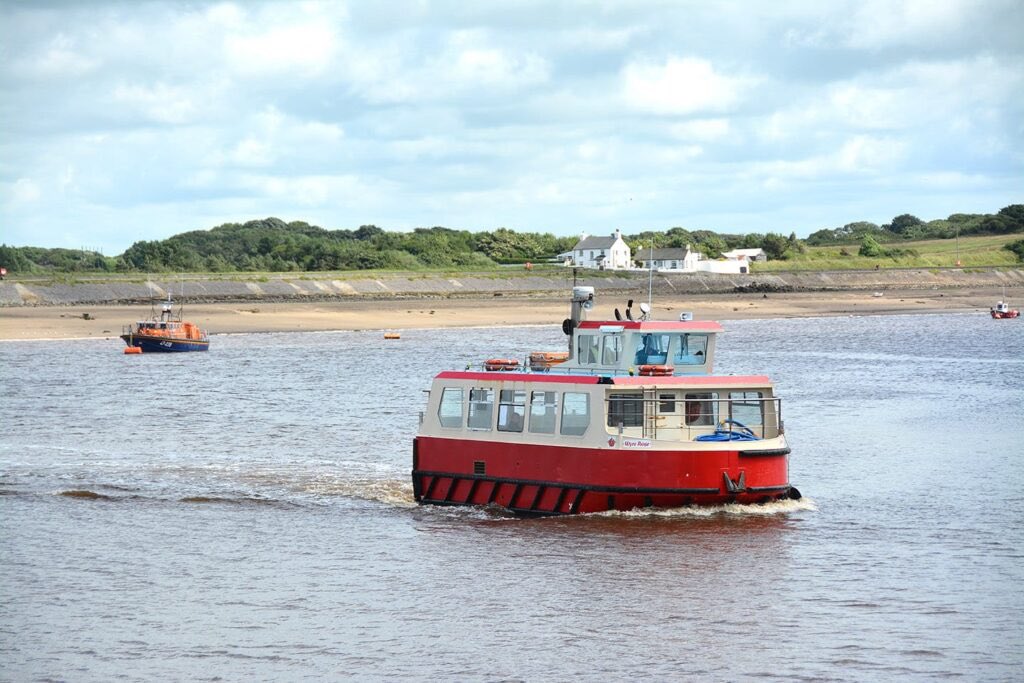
<point x="770" y="425"/>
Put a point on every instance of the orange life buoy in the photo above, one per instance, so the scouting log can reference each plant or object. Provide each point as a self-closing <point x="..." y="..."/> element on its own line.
<point x="500" y="364"/>
<point x="655" y="370"/>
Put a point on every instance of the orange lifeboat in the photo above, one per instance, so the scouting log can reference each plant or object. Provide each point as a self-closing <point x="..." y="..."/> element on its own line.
<point x="501" y="364"/>
<point x="655" y="370"/>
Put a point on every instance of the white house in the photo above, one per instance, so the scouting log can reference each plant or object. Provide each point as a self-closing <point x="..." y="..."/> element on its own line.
<point x="746" y="255"/>
<point x="602" y="252"/>
<point x="669" y="259"/>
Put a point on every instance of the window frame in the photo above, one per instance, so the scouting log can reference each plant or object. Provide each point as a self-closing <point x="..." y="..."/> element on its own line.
<point x="473" y="403"/>
<point x="566" y="403"/>
<point x="462" y="408"/>
<point x="550" y="409"/>
<point x="507" y="412"/>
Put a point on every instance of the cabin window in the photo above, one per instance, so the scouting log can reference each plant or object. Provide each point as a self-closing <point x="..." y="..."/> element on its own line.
<point x="611" y="349"/>
<point x="747" y="407"/>
<point x="666" y="403"/>
<point x="691" y="349"/>
<point x="543" y="408"/>
<point x="450" y="410"/>
<point x="575" y="413"/>
<point x="652" y="349"/>
<point x="511" y="410"/>
<point x="481" y="406"/>
<point x="626" y="410"/>
<point x="587" y="348"/>
<point x="701" y="409"/>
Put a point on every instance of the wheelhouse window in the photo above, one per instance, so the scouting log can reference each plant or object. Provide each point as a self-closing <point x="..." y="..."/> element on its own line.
<point x="701" y="409"/>
<point x="747" y="407"/>
<point x="511" y="410"/>
<point x="587" y="346"/>
<point x="691" y="349"/>
<point x="481" y="407"/>
<point x="626" y="410"/>
<point x="449" y="412"/>
<point x="611" y="349"/>
<point x="543" y="409"/>
<point x="575" y="413"/>
<point x="652" y="349"/>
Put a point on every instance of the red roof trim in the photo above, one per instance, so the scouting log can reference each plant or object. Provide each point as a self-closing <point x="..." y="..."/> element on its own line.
<point x="555" y="378"/>
<point x="703" y="380"/>
<point x="653" y="325"/>
<point x="535" y="377"/>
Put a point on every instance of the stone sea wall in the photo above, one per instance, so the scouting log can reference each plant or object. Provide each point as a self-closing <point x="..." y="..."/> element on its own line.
<point x="308" y="288"/>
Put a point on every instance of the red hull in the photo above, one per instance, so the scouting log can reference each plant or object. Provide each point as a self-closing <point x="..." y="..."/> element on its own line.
<point x="1009" y="314"/>
<point x="555" y="480"/>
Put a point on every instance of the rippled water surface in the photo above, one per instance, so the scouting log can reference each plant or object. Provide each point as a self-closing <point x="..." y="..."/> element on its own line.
<point x="247" y="514"/>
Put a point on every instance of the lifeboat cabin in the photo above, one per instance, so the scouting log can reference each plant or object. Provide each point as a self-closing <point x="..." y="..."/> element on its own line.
<point x="631" y="416"/>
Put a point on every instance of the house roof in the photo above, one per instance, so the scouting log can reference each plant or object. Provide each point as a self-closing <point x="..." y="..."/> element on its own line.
<point x="743" y="252"/>
<point x="595" y="242"/>
<point x="672" y="254"/>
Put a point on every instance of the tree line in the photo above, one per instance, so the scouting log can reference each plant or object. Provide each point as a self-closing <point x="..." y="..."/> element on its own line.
<point x="272" y="245"/>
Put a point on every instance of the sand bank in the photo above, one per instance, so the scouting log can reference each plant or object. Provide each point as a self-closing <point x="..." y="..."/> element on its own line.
<point x="69" y="322"/>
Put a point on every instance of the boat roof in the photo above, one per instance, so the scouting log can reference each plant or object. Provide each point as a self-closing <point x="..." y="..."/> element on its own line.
<point x="625" y="380"/>
<point x="651" y="325"/>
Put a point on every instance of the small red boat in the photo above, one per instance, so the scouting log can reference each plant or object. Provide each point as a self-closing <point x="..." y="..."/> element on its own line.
<point x="1003" y="310"/>
<point x="630" y="417"/>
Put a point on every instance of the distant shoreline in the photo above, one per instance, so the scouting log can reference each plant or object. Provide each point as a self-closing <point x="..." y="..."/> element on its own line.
<point x="106" y="321"/>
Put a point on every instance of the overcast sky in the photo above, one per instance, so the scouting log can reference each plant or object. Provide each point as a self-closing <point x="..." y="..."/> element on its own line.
<point x="122" y="121"/>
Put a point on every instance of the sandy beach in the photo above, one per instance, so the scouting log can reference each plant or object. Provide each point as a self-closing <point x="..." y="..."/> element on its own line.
<point x="72" y="322"/>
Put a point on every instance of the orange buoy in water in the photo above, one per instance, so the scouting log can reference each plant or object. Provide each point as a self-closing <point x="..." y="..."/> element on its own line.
<point x="133" y="349"/>
<point x="392" y="335"/>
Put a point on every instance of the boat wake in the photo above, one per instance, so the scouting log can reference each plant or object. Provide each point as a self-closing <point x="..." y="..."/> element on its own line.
<point x="776" y="507"/>
<point x="393" y="492"/>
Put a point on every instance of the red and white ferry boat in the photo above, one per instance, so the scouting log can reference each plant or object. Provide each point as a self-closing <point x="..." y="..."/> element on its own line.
<point x="630" y="417"/>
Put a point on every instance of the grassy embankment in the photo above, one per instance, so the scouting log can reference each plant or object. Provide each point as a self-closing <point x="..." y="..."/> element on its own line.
<point x="973" y="252"/>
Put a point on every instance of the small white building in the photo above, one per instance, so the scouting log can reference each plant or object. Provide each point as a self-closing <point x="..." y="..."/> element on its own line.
<point x="746" y="255"/>
<point x="602" y="252"/>
<point x="672" y="259"/>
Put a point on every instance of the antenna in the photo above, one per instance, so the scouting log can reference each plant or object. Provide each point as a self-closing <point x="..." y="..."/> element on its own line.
<point x="650" y="278"/>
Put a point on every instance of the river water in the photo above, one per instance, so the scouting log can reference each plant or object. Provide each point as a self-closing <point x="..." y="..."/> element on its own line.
<point x="247" y="514"/>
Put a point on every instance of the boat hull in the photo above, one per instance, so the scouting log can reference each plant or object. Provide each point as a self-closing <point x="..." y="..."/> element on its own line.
<point x="535" y="479"/>
<point x="999" y="315"/>
<point x="156" y="344"/>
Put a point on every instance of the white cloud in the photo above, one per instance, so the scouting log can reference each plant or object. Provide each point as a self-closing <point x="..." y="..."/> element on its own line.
<point x="882" y="23"/>
<point x="681" y="86"/>
<point x="317" y="190"/>
<point x="25" y="191"/>
<point x="60" y="58"/>
<point x="161" y="103"/>
<point x="701" y="129"/>
<point x="302" y="49"/>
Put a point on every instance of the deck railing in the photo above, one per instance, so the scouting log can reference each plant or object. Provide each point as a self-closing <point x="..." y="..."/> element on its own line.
<point x="679" y="419"/>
